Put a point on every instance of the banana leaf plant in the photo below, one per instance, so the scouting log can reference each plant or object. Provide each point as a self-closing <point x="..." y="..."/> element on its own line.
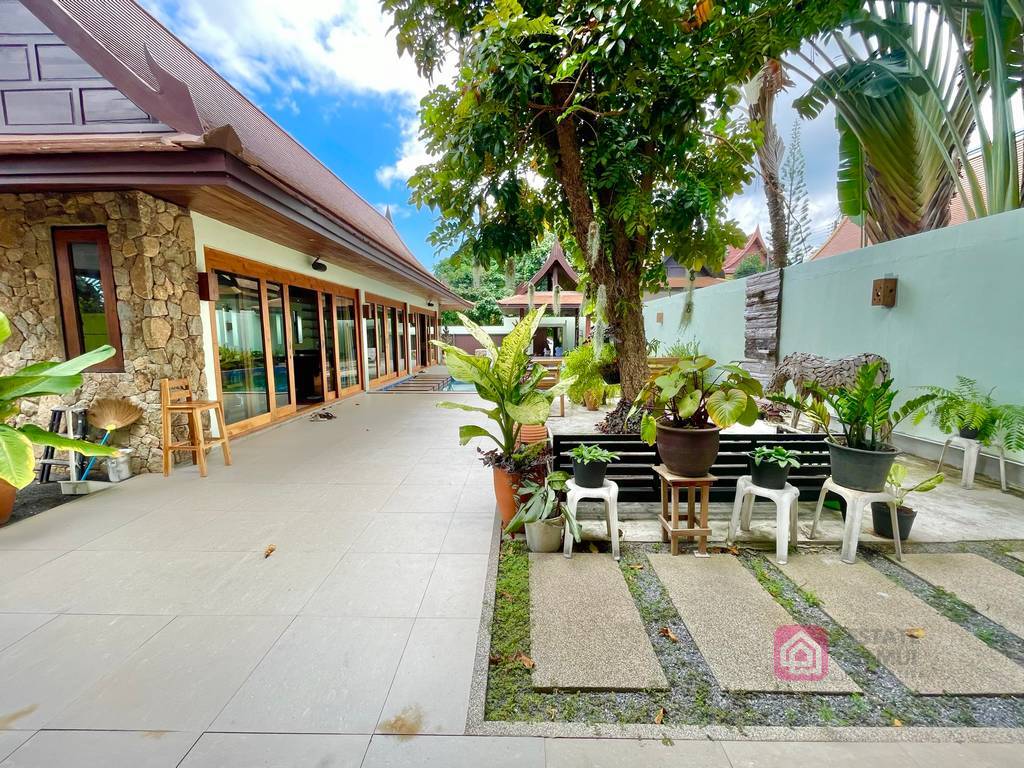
<point x="17" y="456"/>
<point x="506" y="377"/>
<point x="865" y="411"/>
<point x="692" y="393"/>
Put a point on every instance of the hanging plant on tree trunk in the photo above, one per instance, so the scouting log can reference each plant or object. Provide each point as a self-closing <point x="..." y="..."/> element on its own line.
<point x="622" y="112"/>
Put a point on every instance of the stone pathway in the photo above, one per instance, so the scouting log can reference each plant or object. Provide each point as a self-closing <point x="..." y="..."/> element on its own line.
<point x="878" y="612"/>
<point x="991" y="589"/>
<point x="1018" y="555"/>
<point x="733" y="622"/>
<point x="585" y="631"/>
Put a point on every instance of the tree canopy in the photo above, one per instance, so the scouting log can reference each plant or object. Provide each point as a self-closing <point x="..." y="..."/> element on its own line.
<point x="608" y="120"/>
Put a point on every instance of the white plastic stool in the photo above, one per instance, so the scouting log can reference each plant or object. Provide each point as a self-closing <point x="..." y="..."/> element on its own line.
<point x="609" y="494"/>
<point x="972" y="450"/>
<point x="786" y="508"/>
<point x="856" y="503"/>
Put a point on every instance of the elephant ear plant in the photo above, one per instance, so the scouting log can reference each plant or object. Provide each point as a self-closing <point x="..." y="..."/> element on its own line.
<point x="867" y="417"/>
<point x="17" y="456"/>
<point x="509" y="382"/>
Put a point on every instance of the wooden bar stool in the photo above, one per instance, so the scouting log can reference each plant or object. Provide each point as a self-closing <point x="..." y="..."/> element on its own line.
<point x="176" y="397"/>
<point x="671" y="530"/>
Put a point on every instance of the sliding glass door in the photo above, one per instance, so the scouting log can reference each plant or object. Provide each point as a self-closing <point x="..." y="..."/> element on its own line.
<point x="307" y="360"/>
<point x="348" y="343"/>
<point x="278" y="325"/>
<point x="241" y="357"/>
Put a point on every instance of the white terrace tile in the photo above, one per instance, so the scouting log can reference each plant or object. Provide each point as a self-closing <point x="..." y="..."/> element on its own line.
<point x="17" y="562"/>
<point x="456" y="587"/>
<point x="102" y="749"/>
<point x="469" y="534"/>
<point x="374" y="584"/>
<point x="451" y="751"/>
<point x="14" y="626"/>
<point x="279" y="750"/>
<point x="410" y="532"/>
<point x="11" y="740"/>
<point x="433" y="498"/>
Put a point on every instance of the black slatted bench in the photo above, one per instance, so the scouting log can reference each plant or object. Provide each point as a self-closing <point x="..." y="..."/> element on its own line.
<point x="637" y="481"/>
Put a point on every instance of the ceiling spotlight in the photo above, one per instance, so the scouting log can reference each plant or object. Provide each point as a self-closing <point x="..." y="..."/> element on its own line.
<point x="318" y="265"/>
<point x="430" y="304"/>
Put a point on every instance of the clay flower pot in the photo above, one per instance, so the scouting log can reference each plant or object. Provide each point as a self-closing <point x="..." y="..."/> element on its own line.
<point x="688" y="452"/>
<point x="7" y="494"/>
<point x="506" y="487"/>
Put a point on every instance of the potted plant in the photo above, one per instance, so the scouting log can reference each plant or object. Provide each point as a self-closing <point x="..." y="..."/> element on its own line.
<point x="589" y="464"/>
<point x="769" y="467"/>
<point x="587" y="368"/>
<point x="686" y="406"/>
<point x="543" y="515"/>
<point x="17" y="455"/>
<point x="964" y="410"/>
<point x="508" y="380"/>
<point x="863" y="457"/>
<point x="905" y="516"/>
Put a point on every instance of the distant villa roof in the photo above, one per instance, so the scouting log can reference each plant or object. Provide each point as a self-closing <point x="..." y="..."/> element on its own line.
<point x="735" y="256"/>
<point x="555" y="256"/>
<point x="521" y="300"/>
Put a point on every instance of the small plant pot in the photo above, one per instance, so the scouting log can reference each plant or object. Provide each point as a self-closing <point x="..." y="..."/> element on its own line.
<point x="882" y="519"/>
<point x="545" y="535"/>
<point x="860" y="470"/>
<point x="688" y="452"/>
<point x="768" y="474"/>
<point x="506" y="487"/>
<point x="7" y="494"/>
<point x="119" y="468"/>
<point x="589" y="475"/>
<point x="591" y="400"/>
<point x="969" y="433"/>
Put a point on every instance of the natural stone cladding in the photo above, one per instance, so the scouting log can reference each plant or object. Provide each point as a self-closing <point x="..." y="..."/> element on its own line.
<point x="152" y="250"/>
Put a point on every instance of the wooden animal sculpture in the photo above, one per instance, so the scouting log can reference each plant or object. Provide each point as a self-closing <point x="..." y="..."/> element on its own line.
<point x="802" y="368"/>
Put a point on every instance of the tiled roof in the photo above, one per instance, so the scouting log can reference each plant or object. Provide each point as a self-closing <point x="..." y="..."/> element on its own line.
<point x="166" y="79"/>
<point x="555" y="256"/>
<point x="845" y="237"/>
<point x="734" y="256"/>
<point x="568" y="299"/>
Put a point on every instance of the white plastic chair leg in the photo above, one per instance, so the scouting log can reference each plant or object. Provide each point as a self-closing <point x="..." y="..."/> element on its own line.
<point x="1002" y="468"/>
<point x="613" y="522"/>
<point x="942" y="453"/>
<point x="851" y="533"/>
<point x="971" y="451"/>
<point x="896" y="530"/>
<point x="571" y="502"/>
<point x="737" y="506"/>
<point x="782" y="526"/>
<point x="794" y="511"/>
<point x="817" y="510"/>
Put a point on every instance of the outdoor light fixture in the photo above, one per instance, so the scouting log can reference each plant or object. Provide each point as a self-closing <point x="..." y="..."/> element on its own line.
<point x="318" y="265"/>
<point x="430" y="304"/>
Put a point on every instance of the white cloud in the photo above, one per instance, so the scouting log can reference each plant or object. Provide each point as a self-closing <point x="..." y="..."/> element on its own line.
<point x="411" y="155"/>
<point x="313" y="45"/>
<point x="398" y="211"/>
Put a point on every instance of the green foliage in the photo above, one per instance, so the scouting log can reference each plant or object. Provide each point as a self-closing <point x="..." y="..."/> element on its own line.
<point x="506" y="377"/>
<point x="540" y="501"/>
<point x="683" y="349"/>
<point x="692" y="393"/>
<point x="777" y="454"/>
<point x="794" y="190"/>
<point x="963" y="407"/>
<point x="592" y="454"/>
<point x="585" y="369"/>
<point x="897" y="476"/>
<point x="865" y="411"/>
<point x="17" y="457"/>
<point x="751" y="265"/>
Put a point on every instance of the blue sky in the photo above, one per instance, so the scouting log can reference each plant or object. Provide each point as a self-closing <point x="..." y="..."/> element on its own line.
<point x="328" y="72"/>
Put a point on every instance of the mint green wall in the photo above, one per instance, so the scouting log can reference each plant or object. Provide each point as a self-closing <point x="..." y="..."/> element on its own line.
<point x="717" y="320"/>
<point x="958" y="310"/>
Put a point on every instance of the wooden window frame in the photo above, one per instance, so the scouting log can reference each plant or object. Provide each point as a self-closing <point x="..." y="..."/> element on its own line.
<point x="63" y="237"/>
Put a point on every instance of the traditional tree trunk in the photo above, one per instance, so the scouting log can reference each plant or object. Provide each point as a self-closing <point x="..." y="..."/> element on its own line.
<point x="777" y="216"/>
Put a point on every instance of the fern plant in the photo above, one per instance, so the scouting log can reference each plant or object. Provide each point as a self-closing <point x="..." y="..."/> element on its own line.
<point x="1011" y="427"/>
<point x="584" y="365"/>
<point x="964" y="407"/>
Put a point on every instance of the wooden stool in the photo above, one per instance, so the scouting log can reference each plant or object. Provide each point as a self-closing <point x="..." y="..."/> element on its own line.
<point x="670" y="530"/>
<point x="176" y="397"/>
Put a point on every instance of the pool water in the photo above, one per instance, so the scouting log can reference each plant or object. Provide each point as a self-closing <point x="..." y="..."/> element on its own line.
<point x="459" y="386"/>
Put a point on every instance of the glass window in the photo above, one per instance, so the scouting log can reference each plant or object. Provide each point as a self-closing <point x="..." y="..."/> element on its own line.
<point x="412" y="342"/>
<point x="401" y="340"/>
<point x="278" y="344"/>
<point x="370" y="331"/>
<point x="393" y="340"/>
<point x="348" y="355"/>
<point x="243" y="374"/>
<point x="307" y="366"/>
<point x="329" y="376"/>
<point x="87" y="296"/>
<point x="382" y="336"/>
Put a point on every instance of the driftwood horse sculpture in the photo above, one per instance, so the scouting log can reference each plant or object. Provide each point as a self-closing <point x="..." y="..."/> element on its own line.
<point x="803" y="367"/>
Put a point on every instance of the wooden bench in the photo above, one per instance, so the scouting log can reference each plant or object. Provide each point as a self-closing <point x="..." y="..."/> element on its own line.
<point x="634" y="472"/>
<point x="552" y="374"/>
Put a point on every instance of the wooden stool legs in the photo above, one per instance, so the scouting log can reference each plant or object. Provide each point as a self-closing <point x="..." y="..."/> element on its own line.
<point x="222" y="428"/>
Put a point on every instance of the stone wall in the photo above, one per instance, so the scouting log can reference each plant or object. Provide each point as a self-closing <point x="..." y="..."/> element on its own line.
<point x="152" y="250"/>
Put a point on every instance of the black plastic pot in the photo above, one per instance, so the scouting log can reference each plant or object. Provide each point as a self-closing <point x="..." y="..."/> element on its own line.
<point x="688" y="452"/>
<point x="589" y="475"/>
<point x="882" y="519"/>
<point x="969" y="433"/>
<point x="861" y="470"/>
<point x="768" y="474"/>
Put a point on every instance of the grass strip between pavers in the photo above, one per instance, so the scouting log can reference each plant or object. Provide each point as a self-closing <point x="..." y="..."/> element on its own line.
<point x="694" y="697"/>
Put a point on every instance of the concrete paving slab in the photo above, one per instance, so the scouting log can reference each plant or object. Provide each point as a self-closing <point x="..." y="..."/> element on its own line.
<point x="993" y="590"/>
<point x="279" y="750"/>
<point x="373" y="584"/>
<point x="451" y="751"/>
<point x="957" y="755"/>
<point x="781" y="754"/>
<point x="714" y="596"/>
<point x="180" y="679"/>
<point x="648" y="753"/>
<point x="456" y="587"/>
<point x="468" y="534"/>
<point x="877" y="612"/>
<point x="18" y="562"/>
<point x="102" y="749"/>
<point x="404" y="532"/>
<point x="430" y="692"/>
<point x="585" y="630"/>
<point x="1018" y="555"/>
<point x="14" y="626"/>
<point x="11" y="740"/>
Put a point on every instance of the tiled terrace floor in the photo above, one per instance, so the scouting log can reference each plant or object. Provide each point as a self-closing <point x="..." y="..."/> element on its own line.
<point x="145" y="626"/>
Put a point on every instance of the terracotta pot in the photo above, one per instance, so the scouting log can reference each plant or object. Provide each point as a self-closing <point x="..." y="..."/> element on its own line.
<point x="7" y="493"/>
<point x="591" y="400"/>
<point x="506" y="485"/>
<point x="688" y="452"/>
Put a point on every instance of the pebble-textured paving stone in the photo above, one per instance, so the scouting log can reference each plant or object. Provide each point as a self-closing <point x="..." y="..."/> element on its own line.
<point x="878" y="612"/>
<point x="733" y="621"/>
<point x="585" y="630"/>
<point x="993" y="590"/>
<point x="1018" y="555"/>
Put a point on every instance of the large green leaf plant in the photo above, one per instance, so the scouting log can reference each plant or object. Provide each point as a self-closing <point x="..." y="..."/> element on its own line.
<point x="17" y="456"/>
<point x="694" y="394"/>
<point x="506" y="378"/>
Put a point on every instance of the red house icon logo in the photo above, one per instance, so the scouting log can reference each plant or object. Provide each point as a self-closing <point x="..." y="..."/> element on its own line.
<point x="801" y="653"/>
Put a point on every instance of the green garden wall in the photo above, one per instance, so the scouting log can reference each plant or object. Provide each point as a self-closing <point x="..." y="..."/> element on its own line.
<point x="959" y="310"/>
